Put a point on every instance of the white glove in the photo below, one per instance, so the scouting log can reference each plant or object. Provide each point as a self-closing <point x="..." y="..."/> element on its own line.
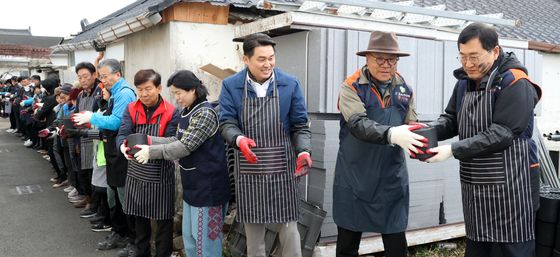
<point x="442" y="152"/>
<point x="40" y="104"/>
<point x="143" y="155"/>
<point x="82" y="117"/>
<point x="407" y="140"/>
<point x="54" y="133"/>
<point x="124" y="150"/>
<point x="21" y="104"/>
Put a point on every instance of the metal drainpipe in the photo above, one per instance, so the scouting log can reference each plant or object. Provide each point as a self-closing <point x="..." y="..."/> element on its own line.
<point x="305" y="94"/>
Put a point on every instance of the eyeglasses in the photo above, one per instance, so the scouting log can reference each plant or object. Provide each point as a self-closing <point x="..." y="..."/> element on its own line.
<point x="472" y="59"/>
<point x="380" y="61"/>
<point x="104" y="76"/>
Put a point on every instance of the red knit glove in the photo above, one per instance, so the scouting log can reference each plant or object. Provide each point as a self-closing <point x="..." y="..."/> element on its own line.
<point x="303" y="164"/>
<point x="245" y="144"/>
<point x="415" y="126"/>
<point x="43" y="133"/>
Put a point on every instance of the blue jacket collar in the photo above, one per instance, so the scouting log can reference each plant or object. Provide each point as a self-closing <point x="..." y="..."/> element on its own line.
<point x="117" y="86"/>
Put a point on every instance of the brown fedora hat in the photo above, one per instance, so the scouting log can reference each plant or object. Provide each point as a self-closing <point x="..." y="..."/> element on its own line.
<point x="383" y="42"/>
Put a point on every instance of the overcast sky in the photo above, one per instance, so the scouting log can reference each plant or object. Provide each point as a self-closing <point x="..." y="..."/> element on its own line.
<point x="60" y="18"/>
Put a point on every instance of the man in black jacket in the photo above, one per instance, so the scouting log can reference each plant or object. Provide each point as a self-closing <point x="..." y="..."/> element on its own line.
<point x="491" y="110"/>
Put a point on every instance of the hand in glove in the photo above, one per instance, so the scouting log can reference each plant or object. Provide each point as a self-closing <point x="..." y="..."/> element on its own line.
<point x="82" y="117"/>
<point x="442" y="152"/>
<point x="125" y="149"/>
<point x="245" y="144"/>
<point x="54" y="133"/>
<point x="303" y="164"/>
<point x="142" y="156"/>
<point x="402" y="136"/>
<point x="43" y="133"/>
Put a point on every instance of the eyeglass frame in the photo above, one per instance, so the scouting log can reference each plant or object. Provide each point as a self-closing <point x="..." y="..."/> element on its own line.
<point x="385" y="60"/>
<point x="104" y="76"/>
<point x="471" y="59"/>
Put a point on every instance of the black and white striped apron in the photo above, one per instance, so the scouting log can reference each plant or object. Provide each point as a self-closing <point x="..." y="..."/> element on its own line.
<point x="496" y="188"/>
<point x="150" y="188"/>
<point x="266" y="192"/>
<point x="86" y="143"/>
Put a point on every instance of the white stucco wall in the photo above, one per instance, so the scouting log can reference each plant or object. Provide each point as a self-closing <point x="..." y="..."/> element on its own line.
<point x="194" y="45"/>
<point x="114" y="51"/>
<point x="149" y="49"/>
<point x="549" y="119"/>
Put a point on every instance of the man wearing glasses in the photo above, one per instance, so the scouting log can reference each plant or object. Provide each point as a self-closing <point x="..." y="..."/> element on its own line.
<point x="491" y="110"/>
<point x="110" y="74"/>
<point x="370" y="192"/>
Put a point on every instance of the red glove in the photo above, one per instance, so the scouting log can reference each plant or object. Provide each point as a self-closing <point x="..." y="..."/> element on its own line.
<point x="63" y="132"/>
<point x="415" y="126"/>
<point x="126" y="149"/>
<point x="303" y="164"/>
<point x="43" y="133"/>
<point x="245" y="144"/>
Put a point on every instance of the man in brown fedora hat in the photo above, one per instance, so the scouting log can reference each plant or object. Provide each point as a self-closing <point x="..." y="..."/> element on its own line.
<point x="370" y="192"/>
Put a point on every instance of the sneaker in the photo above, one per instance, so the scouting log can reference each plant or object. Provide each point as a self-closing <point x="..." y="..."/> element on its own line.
<point x="28" y="142"/>
<point x="87" y="213"/>
<point x="73" y="193"/>
<point x="10" y="130"/>
<point x="112" y="241"/>
<point x="68" y="189"/>
<point x="54" y="180"/>
<point x="76" y="199"/>
<point x="60" y="184"/>
<point x="100" y="227"/>
<point x="96" y="219"/>
<point x="42" y="151"/>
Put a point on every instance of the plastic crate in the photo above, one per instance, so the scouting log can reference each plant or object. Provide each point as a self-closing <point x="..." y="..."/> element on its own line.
<point x="309" y="227"/>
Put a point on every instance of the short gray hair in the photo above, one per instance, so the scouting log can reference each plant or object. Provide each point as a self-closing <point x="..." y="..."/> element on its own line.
<point x="113" y="65"/>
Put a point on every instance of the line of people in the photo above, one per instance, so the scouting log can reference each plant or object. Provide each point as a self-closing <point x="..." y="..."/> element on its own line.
<point x="125" y="185"/>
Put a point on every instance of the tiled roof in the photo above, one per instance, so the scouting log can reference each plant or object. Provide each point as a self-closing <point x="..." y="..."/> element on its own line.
<point x="540" y="19"/>
<point x="33" y="41"/>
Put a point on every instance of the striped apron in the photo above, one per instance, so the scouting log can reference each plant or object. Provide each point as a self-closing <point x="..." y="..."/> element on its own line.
<point x="86" y="143"/>
<point x="496" y="188"/>
<point x="150" y="188"/>
<point x="266" y="192"/>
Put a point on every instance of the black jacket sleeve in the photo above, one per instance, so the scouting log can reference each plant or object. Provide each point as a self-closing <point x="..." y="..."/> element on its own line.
<point x="47" y="109"/>
<point x="367" y="129"/>
<point x="126" y="127"/>
<point x="512" y="113"/>
<point x="446" y="124"/>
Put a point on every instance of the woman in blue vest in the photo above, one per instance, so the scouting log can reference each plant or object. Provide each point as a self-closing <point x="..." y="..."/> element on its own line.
<point x="370" y="192"/>
<point x="202" y="161"/>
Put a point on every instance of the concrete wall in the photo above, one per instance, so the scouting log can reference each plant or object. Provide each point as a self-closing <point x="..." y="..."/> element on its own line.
<point x="194" y="45"/>
<point x="149" y="49"/>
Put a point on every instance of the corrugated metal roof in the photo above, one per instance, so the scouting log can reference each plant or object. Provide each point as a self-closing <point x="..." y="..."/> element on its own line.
<point x="540" y="18"/>
<point x="27" y="40"/>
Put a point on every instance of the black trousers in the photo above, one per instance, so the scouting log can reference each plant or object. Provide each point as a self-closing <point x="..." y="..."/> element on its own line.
<point x="84" y="177"/>
<point x="50" y="148"/>
<point x="119" y="220"/>
<point x="164" y="237"/>
<point x="13" y="123"/>
<point x="348" y="243"/>
<point x="484" y="249"/>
